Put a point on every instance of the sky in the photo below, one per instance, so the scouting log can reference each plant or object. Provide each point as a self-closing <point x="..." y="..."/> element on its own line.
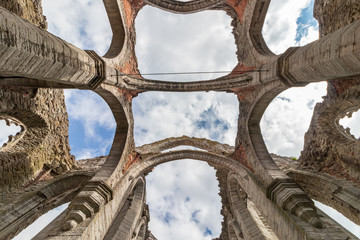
<point x="183" y="195"/>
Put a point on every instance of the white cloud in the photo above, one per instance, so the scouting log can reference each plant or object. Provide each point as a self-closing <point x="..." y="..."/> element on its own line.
<point x="169" y="42"/>
<point x="6" y="131"/>
<point x="352" y="123"/>
<point x="90" y="109"/>
<point x="288" y="117"/>
<point x="99" y="150"/>
<point x="312" y="35"/>
<point x="280" y="24"/>
<point x="161" y="115"/>
<point x="184" y="203"/>
<point x="83" y="23"/>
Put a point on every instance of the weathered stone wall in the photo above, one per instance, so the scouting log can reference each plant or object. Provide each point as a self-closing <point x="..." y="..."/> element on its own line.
<point x="23" y="206"/>
<point x="45" y="143"/>
<point x="335" y="14"/>
<point x="30" y="10"/>
<point x="328" y="147"/>
<point x="221" y="175"/>
<point x="340" y="194"/>
<point x="44" y="146"/>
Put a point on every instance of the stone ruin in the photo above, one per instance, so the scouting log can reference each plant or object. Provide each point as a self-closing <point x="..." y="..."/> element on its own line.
<point x="264" y="196"/>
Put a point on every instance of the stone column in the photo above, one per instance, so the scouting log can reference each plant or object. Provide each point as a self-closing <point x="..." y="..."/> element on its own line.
<point x="43" y="146"/>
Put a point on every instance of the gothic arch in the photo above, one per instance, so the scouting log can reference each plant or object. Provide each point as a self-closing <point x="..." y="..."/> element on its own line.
<point x="12" y="140"/>
<point x="280" y="220"/>
<point x="201" y="143"/>
<point x="251" y="111"/>
<point x="22" y="110"/>
<point x="184" y="7"/>
<point x="117" y="26"/>
<point x="34" y="130"/>
<point x="238" y="203"/>
<point x="123" y="135"/>
<point x="219" y="84"/>
<point x="125" y="225"/>
<point x="256" y="27"/>
<point x="25" y="211"/>
<point x="153" y="161"/>
<point x="140" y="230"/>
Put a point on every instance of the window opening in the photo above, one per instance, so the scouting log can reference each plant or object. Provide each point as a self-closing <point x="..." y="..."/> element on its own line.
<point x="289" y="24"/>
<point x="91" y="132"/>
<point x="37" y="226"/>
<point x="200" y="42"/>
<point x="81" y="30"/>
<point x="288" y="117"/>
<point x="10" y="131"/>
<point x="351" y="123"/>
<point x="160" y="115"/>
<point x="184" y="202"/>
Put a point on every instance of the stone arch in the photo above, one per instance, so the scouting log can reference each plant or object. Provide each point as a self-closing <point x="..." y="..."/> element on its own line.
<point x="201" y="143"/>
<point x="238" y="204"/>
<point x="122" y="138"/>
<point x="249" y="123"/>
<point x="101" y="185"/>
<point x="34" y="130"/>
<point x="219" y="84"/>
<point x="25" y="211"/>
<point x="12" y="140"/>
<point x="154" y="160"/>
<point x="117" y="26"/>
<point x="140" y="230"/>
<point x="23" y="152"/>
<point x="280" y="220"/>
<point x="18" y="108"/>
<point x="256" y="26"/>
<point x="184" y="7"/>
<point x="234" y="230"/>
<point x="125" y="225"/>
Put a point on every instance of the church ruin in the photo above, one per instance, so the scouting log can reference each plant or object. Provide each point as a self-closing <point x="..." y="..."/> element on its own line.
<point x="263" y="196"/>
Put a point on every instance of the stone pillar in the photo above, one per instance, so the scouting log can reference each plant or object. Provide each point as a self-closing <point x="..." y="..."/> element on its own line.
<point x="43" y="146"/>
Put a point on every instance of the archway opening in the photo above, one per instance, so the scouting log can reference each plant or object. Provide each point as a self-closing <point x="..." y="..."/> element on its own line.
<point x="351" y="123"/>
<point x="37" y="226"/>
<point x="173" y="43"/>
<point x="339" y="218"/>
<point x="289" y="24"/>
<point x="184" y="202"/>
<point x="91" y="124"/>
<point x="9" y="131"/>
<point x="89" y="115"/>
<point x="288" y="117"/>
<point x="160" y="115"/>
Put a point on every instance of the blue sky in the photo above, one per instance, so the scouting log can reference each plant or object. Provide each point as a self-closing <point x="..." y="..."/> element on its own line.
<point x="184" y="202"/>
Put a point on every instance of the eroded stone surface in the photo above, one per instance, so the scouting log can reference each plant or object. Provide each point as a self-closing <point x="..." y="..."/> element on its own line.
<point x="328" y="147"/>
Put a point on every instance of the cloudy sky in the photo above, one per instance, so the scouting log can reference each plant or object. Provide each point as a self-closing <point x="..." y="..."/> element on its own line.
<point x="183" y="195"/>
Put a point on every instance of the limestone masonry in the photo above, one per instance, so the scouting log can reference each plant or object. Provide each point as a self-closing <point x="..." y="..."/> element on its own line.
<point x="264" y="196"/>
